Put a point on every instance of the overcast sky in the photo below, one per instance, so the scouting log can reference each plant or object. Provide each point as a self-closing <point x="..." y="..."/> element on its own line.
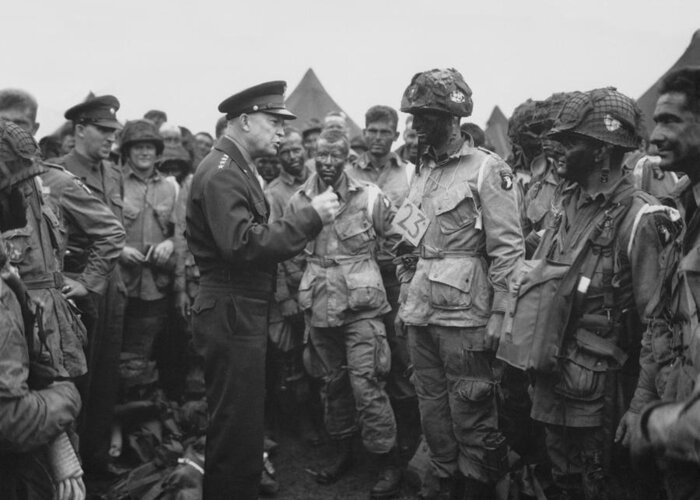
<point x="185" y="57"/>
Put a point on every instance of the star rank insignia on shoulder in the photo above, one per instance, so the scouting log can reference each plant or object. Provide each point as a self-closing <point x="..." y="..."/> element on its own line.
<point x="222" y="162"/>
<point x="506" y="180"/>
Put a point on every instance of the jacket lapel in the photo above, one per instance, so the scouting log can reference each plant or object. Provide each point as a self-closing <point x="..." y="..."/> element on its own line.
<point x="228" y="147"/>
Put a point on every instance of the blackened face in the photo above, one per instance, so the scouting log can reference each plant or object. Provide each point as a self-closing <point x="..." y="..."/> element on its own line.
<point x="432" y="129"/>
<point x="579" y="154"/>
<point x="330" y="160"/>
<point x="268" y="167"/>
<point x="676" y="135"/>
<point x="411" y="140"/>
<point x="554" y="152"/>
<point x="291" y="155"/>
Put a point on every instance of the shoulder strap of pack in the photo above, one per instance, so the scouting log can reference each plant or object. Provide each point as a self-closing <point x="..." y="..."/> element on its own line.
<point x="479" y="183"/>
<point x="481" y="174"/>
<point x="672" y="213"/>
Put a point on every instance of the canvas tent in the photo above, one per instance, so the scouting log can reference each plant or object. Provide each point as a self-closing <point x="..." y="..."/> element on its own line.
<point x="497" y="133"/>
<point x="691" y="57"/>
<point x="310" y="100"/>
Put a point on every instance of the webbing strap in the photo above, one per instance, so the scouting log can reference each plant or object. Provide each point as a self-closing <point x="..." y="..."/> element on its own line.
<point x="479" y="224"/>
<point x="599" y="345"/>
<point x="372" y="195"/>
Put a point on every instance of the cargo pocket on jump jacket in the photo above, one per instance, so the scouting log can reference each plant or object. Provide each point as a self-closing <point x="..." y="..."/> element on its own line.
<point x="355" y="232"/>
<point x="582" y="375"/>
<point x="365" y="290"/>
<point x="306" y="291"/>
<point x="455" y="209"/>
<point x="18" y="244"/>
<point x="450" y="284"/>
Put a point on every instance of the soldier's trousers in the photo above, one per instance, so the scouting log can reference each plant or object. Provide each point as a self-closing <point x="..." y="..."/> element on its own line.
<point x="456" y="385"/>
<point x="399" y="385"/>
<point x="580" y="466"/>
<point x="105" y="321"/>
<point x="681" y="480"/>
<point x="355" y="358"/>
<point x="25" y="476"/>
<point x="230" y="333"/>
<point x="144" y="322"/>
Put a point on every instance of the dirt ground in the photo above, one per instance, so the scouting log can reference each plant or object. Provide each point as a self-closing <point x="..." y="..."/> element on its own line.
<point x="293" y="457"/>
<point x="292" y="460"/>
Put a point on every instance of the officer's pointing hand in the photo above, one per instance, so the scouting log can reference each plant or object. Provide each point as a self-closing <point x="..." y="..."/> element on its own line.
<point x="326" y="205"/>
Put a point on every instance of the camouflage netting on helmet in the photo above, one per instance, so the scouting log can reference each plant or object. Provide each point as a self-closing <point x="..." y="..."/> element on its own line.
<point x="603" y="114"/>
<point x="519" y="123"/>
<point x="18" y="155"/>
<point x="439" y="90"/>
<point x="140" y="131"/>
<point x="547" y="111"/>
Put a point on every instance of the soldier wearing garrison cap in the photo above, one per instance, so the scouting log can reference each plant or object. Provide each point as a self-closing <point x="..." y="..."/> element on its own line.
<point x="95" y="125"/>
<point x="454" y="298"/>
<point x="237" y="252"/>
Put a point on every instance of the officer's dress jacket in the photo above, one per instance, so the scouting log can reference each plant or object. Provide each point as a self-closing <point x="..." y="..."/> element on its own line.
<point x="289" y="273"/>
<point x="227" y="230"/>
<point x="94" y="234"/>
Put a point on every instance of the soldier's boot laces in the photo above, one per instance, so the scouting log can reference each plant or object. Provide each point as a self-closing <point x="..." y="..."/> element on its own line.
<point x="343" y="462"/>
<point x="389" y="478"/>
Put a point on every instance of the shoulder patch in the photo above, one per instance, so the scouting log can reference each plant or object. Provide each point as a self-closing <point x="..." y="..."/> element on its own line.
<point x="667" y="221"/>
<point x="222" y="162"/>
<point x="506" y="180"/>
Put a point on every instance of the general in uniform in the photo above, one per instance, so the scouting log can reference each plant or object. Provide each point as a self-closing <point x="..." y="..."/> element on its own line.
<point x="237" y="253"/>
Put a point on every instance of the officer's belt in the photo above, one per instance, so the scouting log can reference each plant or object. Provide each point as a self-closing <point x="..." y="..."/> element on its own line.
<point x="338" y="260"/>
<point x="48" y="280"/>
<point x="426" y="252"/>
<point x="238" y="281"/>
